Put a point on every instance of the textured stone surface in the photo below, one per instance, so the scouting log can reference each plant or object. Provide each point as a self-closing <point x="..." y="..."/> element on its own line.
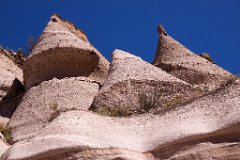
<point x="3" y="121"/>
<point x="3" y="147"/>
<point x="179" y="61"/>
<point x="63" y="51"/>
<point x="8" y="107"/>
<point x="44" y="102"/>
<point x="212" y="117"/>
<point x="9" y="71"/>
<point x="130" y="78"/>
<point x="98" y="154"/>
<point x="218" y="151"/>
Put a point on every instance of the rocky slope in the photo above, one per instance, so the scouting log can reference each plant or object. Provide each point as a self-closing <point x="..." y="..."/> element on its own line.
<point x="79" y="106"/>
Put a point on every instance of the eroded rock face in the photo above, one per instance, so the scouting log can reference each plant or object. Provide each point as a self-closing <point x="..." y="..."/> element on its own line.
<point x="179" y="61"/>
<point x="9" y="72"/>
<point x="133" y="82"/>
<point x="43" y="103"/>
<point x="212" y="118"/>
<point x="3" y="147"/>
<point x="63" y="51"/>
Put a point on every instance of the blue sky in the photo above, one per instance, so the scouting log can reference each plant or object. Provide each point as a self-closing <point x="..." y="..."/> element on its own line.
<point x="211" y="26"/>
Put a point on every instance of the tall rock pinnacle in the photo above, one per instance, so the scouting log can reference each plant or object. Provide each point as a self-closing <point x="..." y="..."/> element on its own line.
<point x="63" y="51"/>
<point x="179" y="61"/>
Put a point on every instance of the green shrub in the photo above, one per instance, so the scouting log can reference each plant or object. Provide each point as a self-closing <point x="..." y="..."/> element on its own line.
<point x="147" y="102"/>
<point x="6" y="133"/>
<point x="56" y="112"/>
<point x="228" y="81"/>
<point x="207" y="57"/>
<point x="31" y="43"/>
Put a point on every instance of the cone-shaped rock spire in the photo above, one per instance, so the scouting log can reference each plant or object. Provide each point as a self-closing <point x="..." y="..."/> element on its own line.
<point x="131" y="82"/>
<point x="63" y="51"/>
<point x="179" y="61"/>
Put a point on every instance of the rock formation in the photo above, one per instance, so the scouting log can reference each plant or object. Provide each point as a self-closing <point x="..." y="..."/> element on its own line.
<point x="212" y="118"/>
<point x="179" y="61"/>
<point x="138" y="86"/>
<point x="63" y="51"/>
<point x="11" y="88"/>
<point x="173" y="116"/>
<point x="9" y="72"/>
<point x="42" y="103"/>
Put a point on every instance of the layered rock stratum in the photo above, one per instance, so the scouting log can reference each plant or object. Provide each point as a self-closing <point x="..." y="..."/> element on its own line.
<point x="41" y="104"/>
<point x="160" y="135"/>
<point x="78" y="106"/>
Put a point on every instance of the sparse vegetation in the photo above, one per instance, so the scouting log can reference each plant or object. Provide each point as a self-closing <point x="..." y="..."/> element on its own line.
<point x="207" y="57"/>
<point x="56" y="14"/>
<point x="53" y="106"/>
<point x="228" y="81"/>
<point x="177" y="100"/>
<point x="56" y="112"/>
<point x="6" y="133"/>
<point x="31" y="43"/>
<point x="147" y="102"/>
<point x="113" y="112"/>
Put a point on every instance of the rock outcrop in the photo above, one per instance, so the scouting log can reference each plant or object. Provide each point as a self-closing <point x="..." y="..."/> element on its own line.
<point x="42" y="103"/>
<point x="212" y="118"/>
<point x="179" y="61"/>
<point x="9" y="72"/>
<point x="63" y="51"/>
<point x="137" y="86"/>
<point x="62" y="73"/>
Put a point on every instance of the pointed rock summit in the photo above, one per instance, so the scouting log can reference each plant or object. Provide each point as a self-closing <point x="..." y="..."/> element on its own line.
<point x="62" y="73"/>
<point x="63" y="51"/>
<point x="179" y="61"/>
<point x="136" y="86"/>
